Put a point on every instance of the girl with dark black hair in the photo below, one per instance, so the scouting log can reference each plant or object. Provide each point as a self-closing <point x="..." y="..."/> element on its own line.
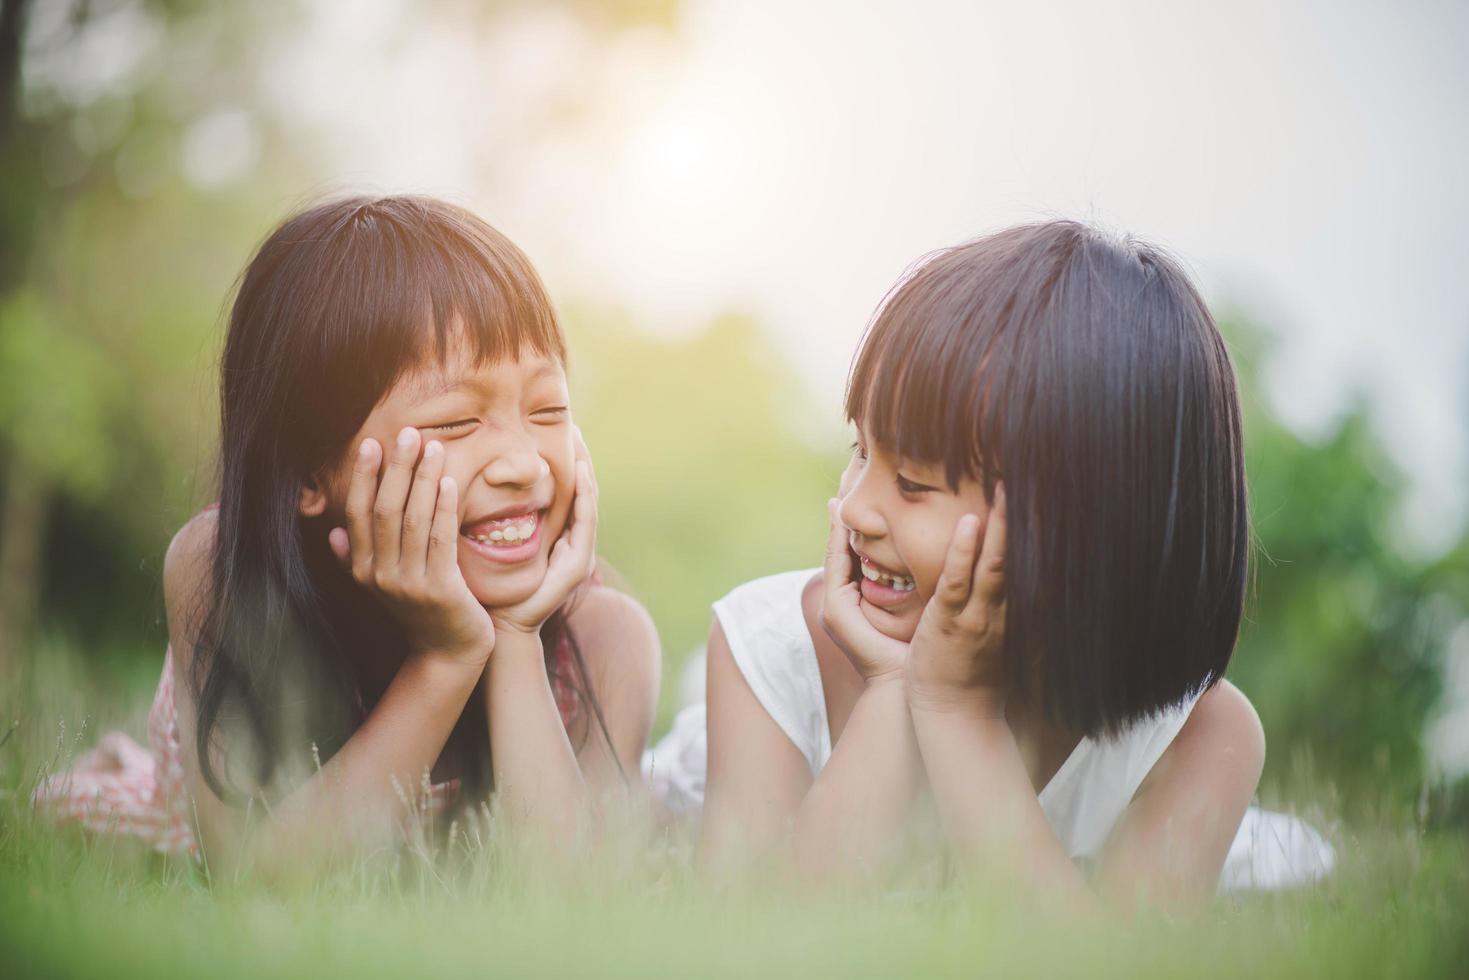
<point x="395" y="599"/>
<point x="1033" y="584"/>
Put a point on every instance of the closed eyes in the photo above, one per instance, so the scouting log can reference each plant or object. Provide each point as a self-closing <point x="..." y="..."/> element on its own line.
<point x="908" y="486"/>
<point x="553" y="414"/>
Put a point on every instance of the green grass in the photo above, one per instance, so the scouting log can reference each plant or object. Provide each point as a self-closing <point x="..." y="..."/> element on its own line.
<point x="73" y="905"/>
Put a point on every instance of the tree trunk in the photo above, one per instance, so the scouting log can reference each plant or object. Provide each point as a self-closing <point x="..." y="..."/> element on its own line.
<point x="22" y="537"/>
<point x="12" y="34"/>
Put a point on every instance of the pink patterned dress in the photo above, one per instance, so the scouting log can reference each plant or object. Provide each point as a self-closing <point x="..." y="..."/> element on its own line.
<point x="124" y="789"/>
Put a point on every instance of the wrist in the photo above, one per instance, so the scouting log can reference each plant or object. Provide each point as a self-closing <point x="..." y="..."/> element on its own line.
<point x="976" y="701"/>
<point x="464" y="652"/>
<point x="442" y="667"/>
<point x="513" y="641"/>
<point x="507" y="626"/>
<point x="883" y="679"/>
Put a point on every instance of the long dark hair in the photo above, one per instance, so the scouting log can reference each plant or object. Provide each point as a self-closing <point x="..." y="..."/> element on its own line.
<point x="335" y="305"/>
<point x="1085" y="371"/>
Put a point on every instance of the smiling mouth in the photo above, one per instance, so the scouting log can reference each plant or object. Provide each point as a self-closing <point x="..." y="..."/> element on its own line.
<point x="873" y="572"/>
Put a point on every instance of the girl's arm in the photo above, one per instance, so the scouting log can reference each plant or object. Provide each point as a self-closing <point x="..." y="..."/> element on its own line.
<point x="1170" y="842"/>
<point x="855" y="817"/>
<point x="403" y="536"/>
<point x="624" y="661"/>
<point x="760" y="794"/>
<point x="856" y="814"/>
<point x="540" y="779"/>
<point x="756" y="777"/>
<point x="1172" y="839"/>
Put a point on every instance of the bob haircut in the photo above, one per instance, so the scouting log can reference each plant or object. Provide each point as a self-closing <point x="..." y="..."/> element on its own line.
<point x="336" y="305"/>
<point x="1087" y="373"/>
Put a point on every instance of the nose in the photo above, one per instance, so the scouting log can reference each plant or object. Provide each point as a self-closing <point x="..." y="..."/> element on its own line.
<point x="514" y="462"/>
<point x="858" y="510"/>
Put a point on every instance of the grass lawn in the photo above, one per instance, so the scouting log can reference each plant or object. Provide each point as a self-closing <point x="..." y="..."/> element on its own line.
<point x="72" y="905"/>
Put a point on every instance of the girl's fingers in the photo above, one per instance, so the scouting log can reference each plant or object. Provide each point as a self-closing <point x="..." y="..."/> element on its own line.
<point x="340" y="543"/>
<point x="361" y="495"/>
<point x="990" y="572"/>
<point x="392" y="494"/>
<point x="583" y="538"/>
<point x="419" y="512"/>
<point x="443" y="538"/>
<point x="574" y="553"/>
<point x="586" y="486"/>
<point x="585" y="456"/>
<point x="956" y="580"/>
<point x="837" y="568"/>
<point x="583" y="453"/>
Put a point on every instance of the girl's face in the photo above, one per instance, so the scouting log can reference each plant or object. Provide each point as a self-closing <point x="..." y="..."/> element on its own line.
<point x="900" y="517"/>
<point x="509" y="445"/>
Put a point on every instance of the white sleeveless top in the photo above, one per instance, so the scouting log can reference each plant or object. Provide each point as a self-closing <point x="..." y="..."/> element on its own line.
<point x="766" y="629"/>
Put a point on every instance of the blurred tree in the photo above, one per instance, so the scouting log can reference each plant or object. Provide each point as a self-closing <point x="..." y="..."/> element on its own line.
<point x="113" y="261"/>
<point x="1344" y="637"/>
<point x="20" y="497"/>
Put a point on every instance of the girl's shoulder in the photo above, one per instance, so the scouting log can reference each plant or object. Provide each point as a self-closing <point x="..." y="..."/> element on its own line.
<point x="769" y="608"/>
<point x="193" y="544"/>
<point x="601" y="607"/>
<point x="613" y="627"/>
<point x="186" y="567"/>
<point x="1221" y="743"/>
<point x="624" y="665"/>
<point x="1222" y="724"/>
<point x="773" y="645"/>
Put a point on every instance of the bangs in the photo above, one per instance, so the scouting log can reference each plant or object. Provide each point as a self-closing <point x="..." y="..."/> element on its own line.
<point x="347" y="296"/>
<point x="935" y="378"/>
<point x="430" y="280"/>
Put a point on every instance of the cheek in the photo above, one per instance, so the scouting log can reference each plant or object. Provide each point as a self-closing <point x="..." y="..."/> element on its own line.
<point x="925" y="550"/>
<point x="460" y="465"/>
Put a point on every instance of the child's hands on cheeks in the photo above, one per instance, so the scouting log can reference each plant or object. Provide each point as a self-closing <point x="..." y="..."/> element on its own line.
<point x="571" y="559"/>
<point x="876" y="655"/>
<point x="401" y="543"/>
<point x="954" y="658"/>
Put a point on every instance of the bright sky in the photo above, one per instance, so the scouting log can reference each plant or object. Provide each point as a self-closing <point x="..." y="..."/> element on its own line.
<point x="1308" y="160"/>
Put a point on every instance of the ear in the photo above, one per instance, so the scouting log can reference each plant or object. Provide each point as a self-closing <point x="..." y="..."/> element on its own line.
<point x="313" y="499"/>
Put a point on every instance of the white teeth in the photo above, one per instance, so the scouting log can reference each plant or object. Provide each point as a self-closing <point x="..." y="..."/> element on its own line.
<point x="509" y="534"/>
<point x="899" y="583"/>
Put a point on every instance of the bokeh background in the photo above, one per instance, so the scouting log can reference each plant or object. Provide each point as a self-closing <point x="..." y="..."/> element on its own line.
<point x="718" y="193"/>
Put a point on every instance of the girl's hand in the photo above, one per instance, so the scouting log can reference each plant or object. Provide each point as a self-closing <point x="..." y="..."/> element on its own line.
<point x="874" y="654"/>
<point x="572" y="558"/>
<point x="401" y="543"/>
<point x="955" y="655"/>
